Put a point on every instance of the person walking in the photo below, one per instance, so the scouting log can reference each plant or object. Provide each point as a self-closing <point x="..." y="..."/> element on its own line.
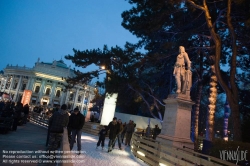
<point x="129" y="132"/>
<point x="156" y="131"/>
<point x="57" y="122"/>
<point x="113" y="131"/>
<point x="123" y="131"/>
<point x="26" y="111"/>
<point x="148" y="131"/>
<point x="118" y="137"/>
<point x="76" y="122"/>
<point x="102" y="135"/>
<point x="17" y="115"/>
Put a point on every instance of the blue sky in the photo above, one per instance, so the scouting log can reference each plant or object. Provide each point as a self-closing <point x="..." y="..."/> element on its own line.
<point x="50" y="29"/>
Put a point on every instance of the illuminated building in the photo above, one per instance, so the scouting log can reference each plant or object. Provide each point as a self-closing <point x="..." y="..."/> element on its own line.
<point x="47" y="83"/>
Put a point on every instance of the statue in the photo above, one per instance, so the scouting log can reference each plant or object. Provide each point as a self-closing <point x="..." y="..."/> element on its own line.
<point x="182" y="76"/>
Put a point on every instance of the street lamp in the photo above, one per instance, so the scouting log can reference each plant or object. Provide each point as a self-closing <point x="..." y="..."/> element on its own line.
<point x="108" y="111"/>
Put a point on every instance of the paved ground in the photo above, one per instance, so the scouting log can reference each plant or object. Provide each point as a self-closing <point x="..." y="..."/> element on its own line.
<point x="26" y="142"/>
<point x="17" y="145"/>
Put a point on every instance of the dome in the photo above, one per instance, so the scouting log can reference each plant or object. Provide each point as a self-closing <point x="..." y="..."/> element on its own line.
<point x="60" y="63"/>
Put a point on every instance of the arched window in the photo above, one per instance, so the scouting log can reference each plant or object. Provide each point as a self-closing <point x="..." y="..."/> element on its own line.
<point x="47" y="91"/>
<point x="23" y="87"/>
<point x="37" y="89"/>
<point x="15" y="85"/>
<point x="79" y="98"/>
<point x="58" y="92"/>
<point x="71" y="96"/>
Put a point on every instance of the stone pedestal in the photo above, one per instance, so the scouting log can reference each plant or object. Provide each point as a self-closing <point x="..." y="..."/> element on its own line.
<point x="177" y="121"/>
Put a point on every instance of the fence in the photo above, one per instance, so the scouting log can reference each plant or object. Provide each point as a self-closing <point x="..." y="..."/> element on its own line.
<point x="155" y="153"/>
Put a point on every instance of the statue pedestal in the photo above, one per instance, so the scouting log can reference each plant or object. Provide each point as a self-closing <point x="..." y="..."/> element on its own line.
<point x="176" y="124"/>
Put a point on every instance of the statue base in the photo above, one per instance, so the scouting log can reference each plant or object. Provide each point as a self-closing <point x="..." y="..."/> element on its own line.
<point x="176" y="124"/>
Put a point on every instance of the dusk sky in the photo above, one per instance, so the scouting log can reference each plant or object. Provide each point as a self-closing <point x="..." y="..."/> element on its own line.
<point x="50" y="29"/>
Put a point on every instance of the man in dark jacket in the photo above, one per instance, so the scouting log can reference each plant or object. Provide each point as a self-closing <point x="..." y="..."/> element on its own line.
<point x="119" y="135"/>
<point x="129" y="132"/>
<point x="113" y="128"/>
<point x="57" y="122"/>
<point x="76" y="122"/>
<point x="26" y="110"/>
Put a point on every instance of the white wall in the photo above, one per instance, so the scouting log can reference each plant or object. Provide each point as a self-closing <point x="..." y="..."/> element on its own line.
<point x="108" y="108"/>
<point x="141" y="122"/>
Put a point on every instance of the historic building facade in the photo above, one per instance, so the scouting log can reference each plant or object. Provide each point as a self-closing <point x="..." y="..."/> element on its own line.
<point x="47" y="83"/>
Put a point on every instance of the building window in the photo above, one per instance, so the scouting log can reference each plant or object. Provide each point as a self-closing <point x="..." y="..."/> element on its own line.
<point x="79" y="98"/>
<point x="7" y="86"/>
<point x="37" y="89"/>
<point x="33" y="100"/>
<point x="12" y="96"/>
<point x="58" y="93"/>
<point x="23" y="87"/>
<point x="47" y="91"/>
<point x="69" y="106"/>
<point x="71" y="96"/>
<point x="15" y="85"/>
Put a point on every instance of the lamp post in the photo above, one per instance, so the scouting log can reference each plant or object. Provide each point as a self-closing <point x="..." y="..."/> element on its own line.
<point x="109" y="104"/>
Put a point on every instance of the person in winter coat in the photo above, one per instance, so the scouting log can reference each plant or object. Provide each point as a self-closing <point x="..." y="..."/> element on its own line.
<point x="129" y="132"/>
<point x="119" y="135"/>
<point x="123" y="131"/>
<point x="148" y="131"/>
<point x="102" y="135"/>
<point x="76" y="122"/>
<point x="57" y="122"/>
<point x="156" y="131"/>
<point x="17" y="116"/>
<point x="113" y="128"/>
<point x="26" y="111"/>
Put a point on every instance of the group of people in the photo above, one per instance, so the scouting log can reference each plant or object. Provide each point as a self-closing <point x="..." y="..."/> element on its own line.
<point x="152" y="133"/>
<point x="61" y="119"/>
<point x="44" y="111"/>
<point x="117" y="131"/>
<point x="17" y="113"/>
<point x="74" y="121"/>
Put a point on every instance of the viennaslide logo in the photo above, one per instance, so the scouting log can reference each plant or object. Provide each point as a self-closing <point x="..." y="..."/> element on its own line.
<point x="234" y="155"/>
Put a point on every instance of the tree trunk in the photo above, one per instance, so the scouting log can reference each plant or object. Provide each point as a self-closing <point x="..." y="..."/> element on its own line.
<point x="211" y="107"/>
<point x="232" y="93"/>
<point x="197" y="103"/>
<point x="225" y="126"/>
<point x="197" y="111"/>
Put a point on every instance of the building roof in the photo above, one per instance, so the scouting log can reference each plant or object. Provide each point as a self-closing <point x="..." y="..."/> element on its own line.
<point x="59" y="63"/>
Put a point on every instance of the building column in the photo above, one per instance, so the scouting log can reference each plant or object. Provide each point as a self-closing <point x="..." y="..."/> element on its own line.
<point x="18" y="88"/>
<point x="66" y="97"/>
<point x="11" y="83"/>
<point x="76" y="97"/>
<point x="30" y="84"/>
<point x="52" y="94"/>
<point x="41" y="91"/>
<point x="3" y="84"/>
<point x="62" y="97"/>
<point x="83" y="102"/>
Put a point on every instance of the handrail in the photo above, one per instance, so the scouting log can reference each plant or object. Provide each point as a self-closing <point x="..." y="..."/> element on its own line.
<point x="65" y="147"/>
<point x="155" y="153"/>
